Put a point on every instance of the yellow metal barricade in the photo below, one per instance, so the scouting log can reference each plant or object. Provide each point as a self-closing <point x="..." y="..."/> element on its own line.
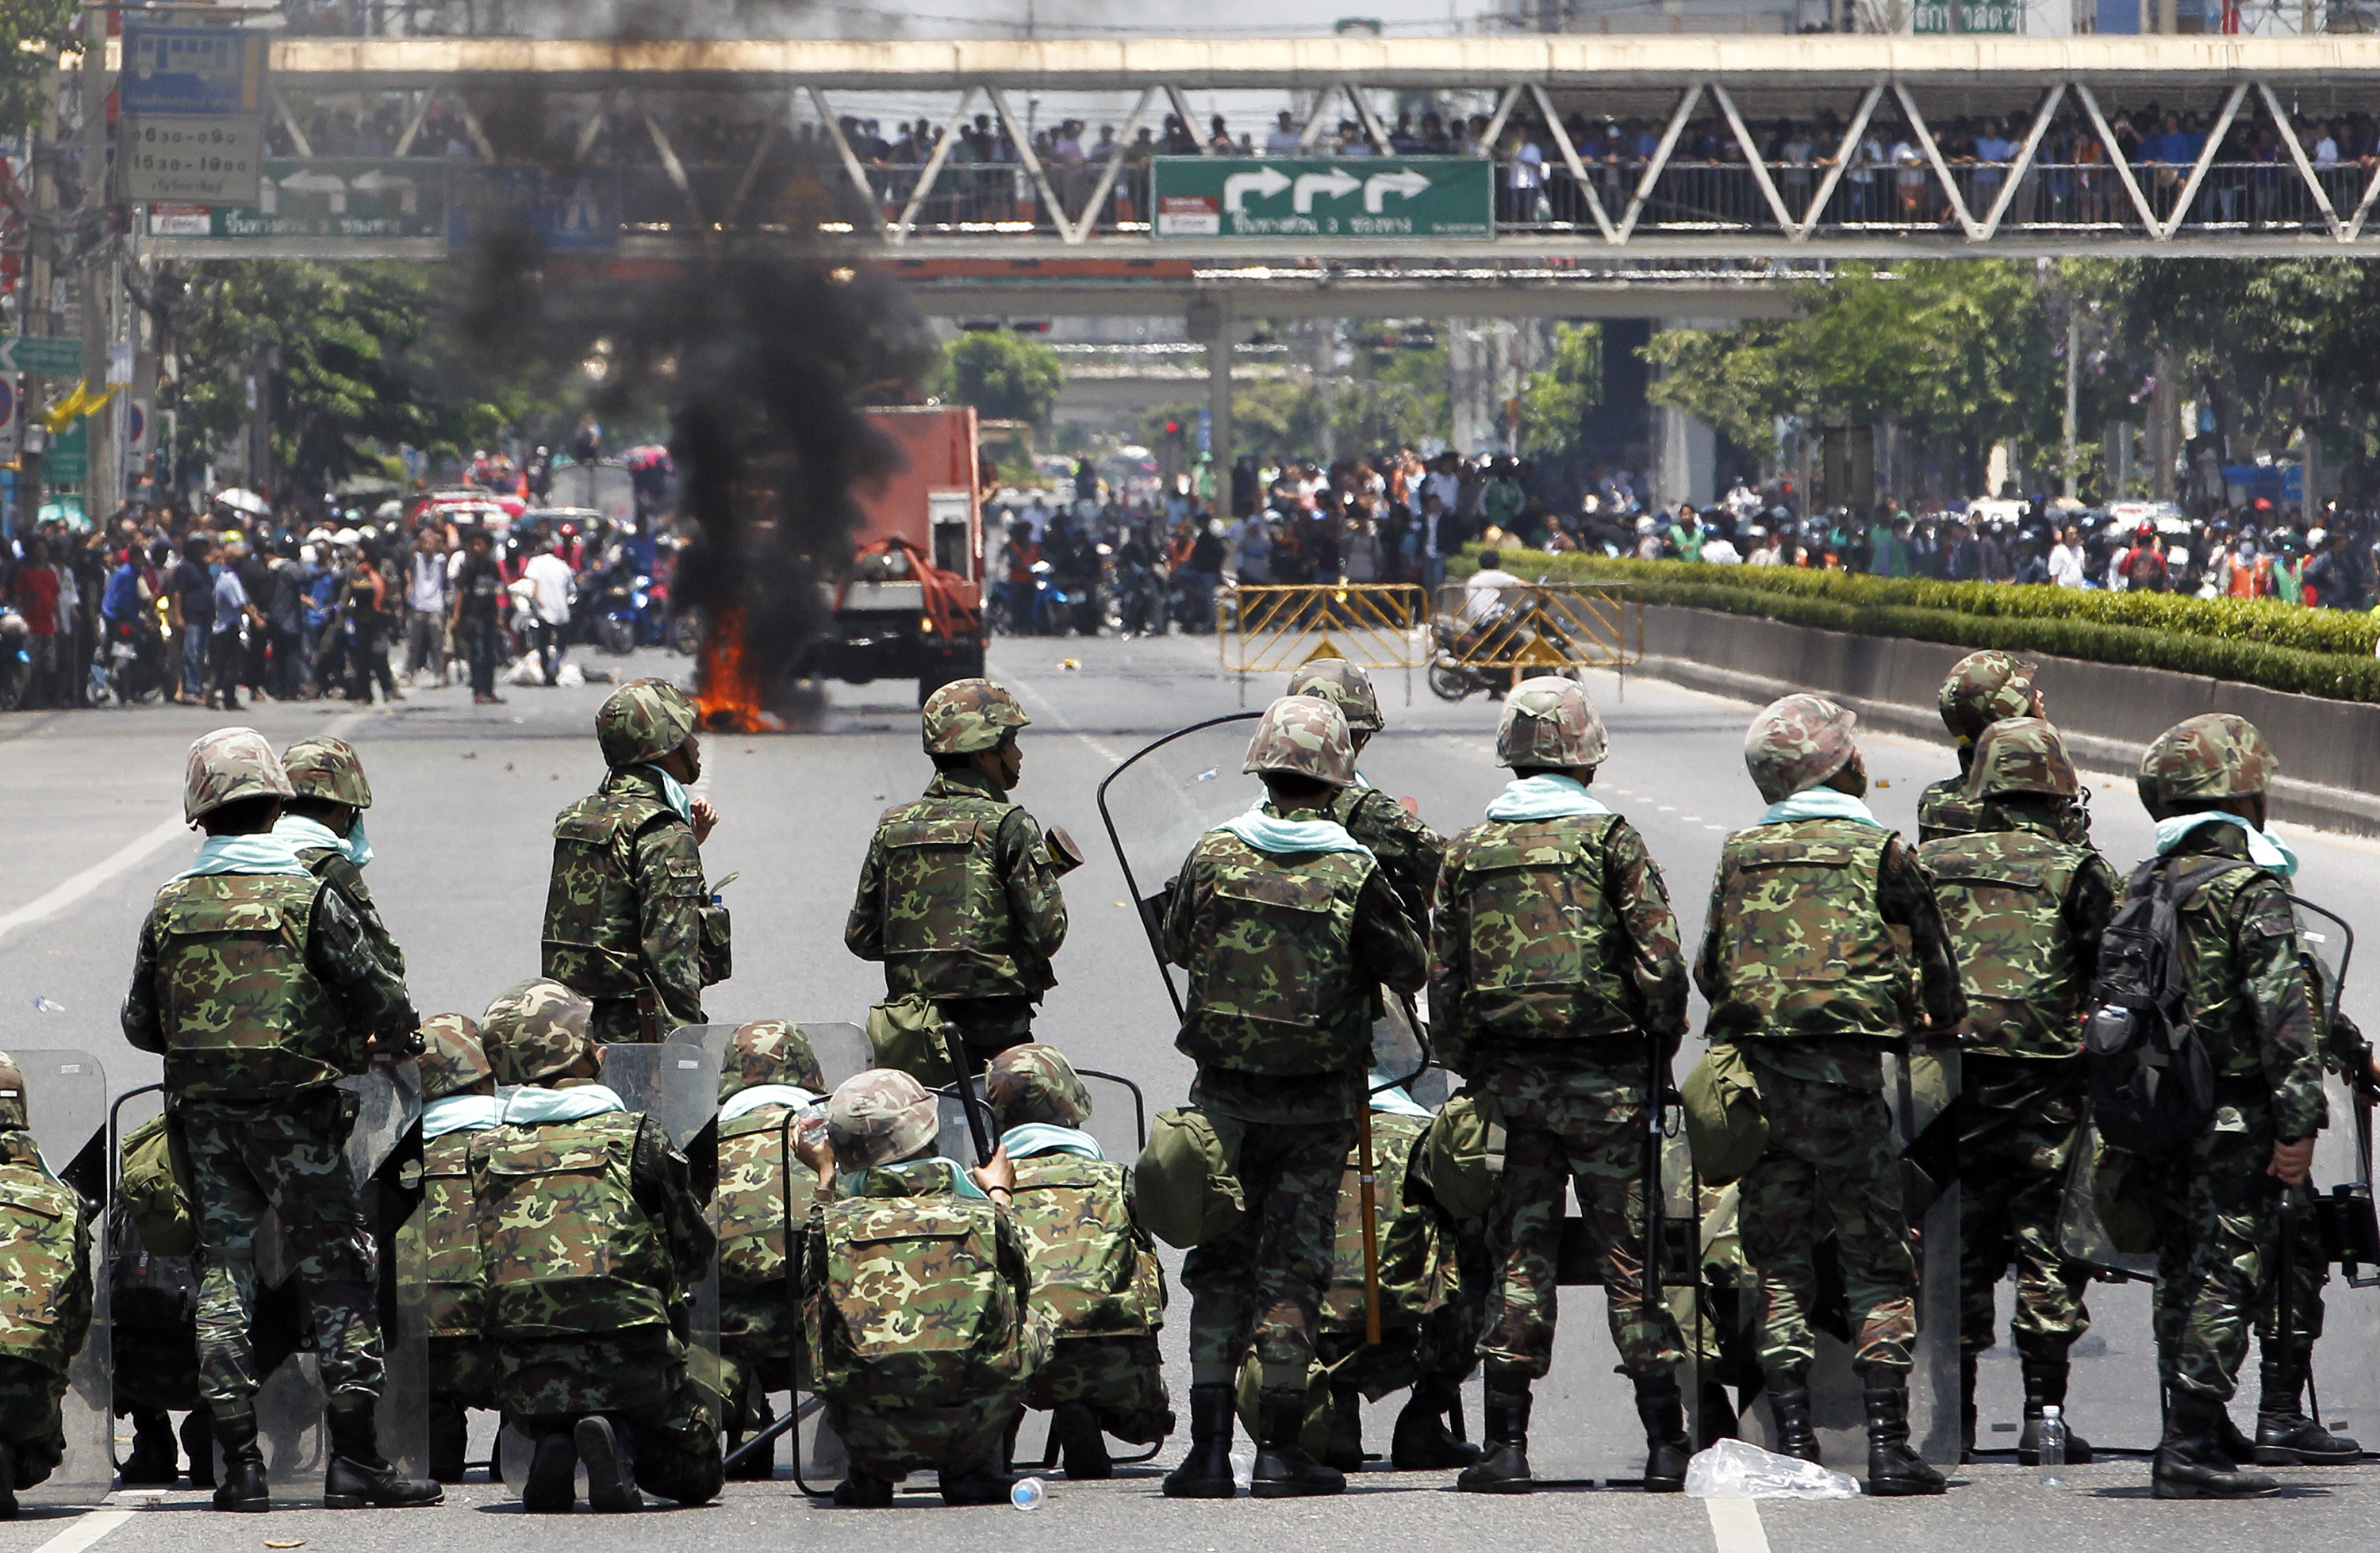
<point x="1542" y="625"/>
<point x="1272" y="627"/>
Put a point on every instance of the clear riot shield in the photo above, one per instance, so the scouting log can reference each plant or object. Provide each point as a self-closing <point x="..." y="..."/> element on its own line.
<point x="840" y="1046"/>
<point x="65" y="1103"/>
<point x="2346" y="1385"/>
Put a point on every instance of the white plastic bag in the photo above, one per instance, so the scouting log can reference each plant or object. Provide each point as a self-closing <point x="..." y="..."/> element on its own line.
<point x="1733" y="1470"/>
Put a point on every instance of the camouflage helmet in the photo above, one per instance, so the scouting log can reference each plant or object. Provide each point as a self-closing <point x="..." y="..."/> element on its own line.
<point x="535" y="1030"/>
<point x="451" y="1058"/>
<point x="327" y="768"/>
<point x="1983" y="688"/>
<point x="2022" y="755"/>
<point x="2213" y="755"/>
<point x="1345" y="685"/>
<point x="967" y="715"/>
<point x="644" y="720"/>
<point x="879" y="1117"/>
<point x="1548" y="722"/>
<point x="770" y="1051"/>
<point x="1035" y="1083"/>
<point x="14" y="1112"/>
<point x="1797" y="742"/>
<point x="1303" y="734"/>
<point x="227" y="766"/>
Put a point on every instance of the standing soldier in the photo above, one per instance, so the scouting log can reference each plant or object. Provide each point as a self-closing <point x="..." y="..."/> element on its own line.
<point x="324" y="821"/>
<point x="959" y="895"/>
<point x="260" y="989"/>
<point x="1408" y="850"/>
<point x="1556" y="960"/>
<point x="1823" y="948"/>
<point x="628" y="922"/>
<point x="2026" y="910"/>
<point x="44" y="1300"/>
<point x="458" y="1101"/>
<point x="1289" y="929"/>
<point x="1984" y="688"/>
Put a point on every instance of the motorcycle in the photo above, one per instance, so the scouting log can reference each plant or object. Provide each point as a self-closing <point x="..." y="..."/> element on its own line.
<point x="15" y="659"/>
<point x="1452" y="676"/>
<point x="620" y="617"/>
<point x="1140" y="602"/>
<point x="132" y="666"/>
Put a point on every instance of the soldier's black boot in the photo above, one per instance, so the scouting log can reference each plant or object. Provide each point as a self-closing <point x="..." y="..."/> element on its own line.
<point x="449" y="1434"/>
<point x="199" y="1446"/>
<point x="1893" y="1469"/>
<point x="761" y="1466"/>
<point x="153" y="1460"/>
<point x="1422" y="1442"/>
<point x="984" y="1484"/>
<point x="609" y="1450"/>
<point x="1206" y="1472"/>
<point x="1966" y="1407"/>
<point x="243" y="1476"/>
<point x="1789" y="1409"/>
<point x="860" y="1491"/>
<point x="8" y="1482"/>
<point x="552" y="1486"/>
<point x="1082" y="1444"/>
<point x="1284" y="1470"/>
<point x="357" y="1474"/>
<point x="2191" y="1462"/>
<point x="2044" y="1386"/>
<point x="1344" y="1449"/>
<point x="1504" y="1468"/>
<point x="1668" y="1448"/>
<point x="2284" y="1435"/>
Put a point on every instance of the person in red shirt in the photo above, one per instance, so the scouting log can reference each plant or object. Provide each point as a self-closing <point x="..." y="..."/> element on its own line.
<point x="37" y="600"/>
<point x="2144" y="566"/>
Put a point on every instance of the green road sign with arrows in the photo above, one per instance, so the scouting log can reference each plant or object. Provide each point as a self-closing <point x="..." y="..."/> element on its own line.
<point x="1323" y="197"/>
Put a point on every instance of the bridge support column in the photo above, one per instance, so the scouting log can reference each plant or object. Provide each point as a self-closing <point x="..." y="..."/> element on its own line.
<point x="1210" y="323"/>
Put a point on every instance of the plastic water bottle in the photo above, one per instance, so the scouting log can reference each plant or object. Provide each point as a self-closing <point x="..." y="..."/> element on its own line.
<point x="47" y="1005"/>
<point x="2052" y="1436"/>
<point x="1028" y="1493"/>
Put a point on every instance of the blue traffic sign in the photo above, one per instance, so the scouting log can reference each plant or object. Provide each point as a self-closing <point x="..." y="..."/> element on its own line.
<point x="192" y="70"/>
<point x="567" y="211"/>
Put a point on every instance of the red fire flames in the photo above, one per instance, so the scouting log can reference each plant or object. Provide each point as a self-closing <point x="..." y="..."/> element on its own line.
<point x="727" y="692"/>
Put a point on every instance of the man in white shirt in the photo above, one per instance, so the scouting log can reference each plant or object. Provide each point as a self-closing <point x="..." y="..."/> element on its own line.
<point x="1252" y="549"/>
<point x="1283" y="139"/>
<point x="1488" y="590"/>
<point x="2066" y="558"/>
<point x="549" y="574"/>
<point x="425" y="607"/>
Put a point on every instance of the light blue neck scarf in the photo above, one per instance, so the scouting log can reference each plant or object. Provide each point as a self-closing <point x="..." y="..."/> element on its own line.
<point x="1029" y="1138"/>
<point x="302" y="831"/>
<point x="744" y="1102"/>
<point x="2265" y="849"/>
<point x="1820" y="803"/>
<point x="531" y="1104"/>
<point x="1547" y="796"/>
<point x="852" y="1183"/>
<point x="454" y="1113"/>
<point x="673" y="792"/>
<point x="245" y="855"/>
<point x="1269" y="833"/>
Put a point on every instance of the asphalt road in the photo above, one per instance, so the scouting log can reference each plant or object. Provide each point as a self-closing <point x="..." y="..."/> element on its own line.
<point x="466" y="797"/>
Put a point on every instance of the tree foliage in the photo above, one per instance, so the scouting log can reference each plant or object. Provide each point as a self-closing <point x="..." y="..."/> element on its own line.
<point x="1003" y="375"/>
<point x="32" y="32"/>
<point x="1554" y="406"/>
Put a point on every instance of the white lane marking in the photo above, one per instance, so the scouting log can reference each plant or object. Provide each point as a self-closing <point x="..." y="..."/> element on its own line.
<point x="88" y="1529"/>
<point x="120" y="861"/>
<point x="1735" y="1526"/>
<point x="1028" y="693"/>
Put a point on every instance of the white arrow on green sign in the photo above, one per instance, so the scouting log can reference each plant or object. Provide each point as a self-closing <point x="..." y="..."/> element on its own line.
<point x="46" y="355"/>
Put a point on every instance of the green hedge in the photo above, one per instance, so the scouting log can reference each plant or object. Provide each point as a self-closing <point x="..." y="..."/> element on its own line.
<point x="2262" y="641"/>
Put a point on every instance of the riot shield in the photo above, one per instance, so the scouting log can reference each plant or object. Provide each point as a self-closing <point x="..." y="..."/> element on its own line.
<point x="2338" y="1203"/>
<point x="65" y="1103"/>
<point x="840" y="1046"/>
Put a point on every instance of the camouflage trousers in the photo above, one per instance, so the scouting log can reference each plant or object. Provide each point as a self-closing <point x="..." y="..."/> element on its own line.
<point x="1119" y="1378"/>
<point x="1832" y="1161"/>
<point x="1560" y="1136"/>
<point x="2219" y="1227"/>
<point x="893" y="1442"/>
<point x="1262" y="1282"/>
<point x="672" y="1442"/>
<point x="2022" y="1120"/>
<point x="30" y="1421"/>
<point x="462" y="1373"/>
<point x="758" y="1350"/>
<point x="615" y="1372"/>
<point x="284" y="1158"/>
<point x="2309" y="1275"/>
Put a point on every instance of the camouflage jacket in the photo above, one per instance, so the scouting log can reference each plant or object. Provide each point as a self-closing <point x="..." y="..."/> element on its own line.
<point x="256" y="986"/>
<point x="2025" y="911"/>
<point x="757" y="1177"/>
<point x="1414" y="1276"/>
<point x="1409" y="852"/>
<point x="1285" y="953"/>
<point x="627" y="907"/>
<point x="45" y="1294"/>
<point x="1551" y="931"/>
<point x="1825" y="927"/>
<point x="1095" y="1270"/>
<point x="335" y="869"/>
<point x="447" y="1229"/>
<point x="1944" y="809"/>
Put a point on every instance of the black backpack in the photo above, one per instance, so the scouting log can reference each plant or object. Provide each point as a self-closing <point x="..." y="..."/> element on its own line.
<point x="2152" y="1083"/>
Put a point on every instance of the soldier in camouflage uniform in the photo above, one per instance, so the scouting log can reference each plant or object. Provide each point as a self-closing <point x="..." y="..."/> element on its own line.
<point x="590" y="1239"/>
<point x="959" y="895"/>
<point x="1094" y="1271"/>
<point x="628" y="922"/>
<point x="769" y="1075"/>
<point x="1823" y="948"/>
<point x="1408" y="850"/>
<point x="1555" y="962"/>
<point x="1983" y="688"/>
<point x="45" y="1297"/>
<point x="324" y="821"/>
<point x="259" y="987"/>
<point x="2247" y="993"/>
<point x="458" y="1101"/>
<point x="1289" y="929"/>
<point x="916" y="1297"/>
<point x="2025" y="909"/>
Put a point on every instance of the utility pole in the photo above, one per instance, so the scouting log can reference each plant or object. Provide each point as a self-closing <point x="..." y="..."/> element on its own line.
<point x="2074" y="384"/>
<point x="98" y="266"/>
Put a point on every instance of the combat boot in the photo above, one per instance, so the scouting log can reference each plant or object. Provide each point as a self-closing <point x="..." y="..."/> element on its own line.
<point x="1662" y="1409"/>
<point x="450" y="1436"/>
<point x="153" y="1460"/>
<point x="984" y="1484"/>
<point x="357" y="1474"/>
<point x="1789" y="1409"/>
<point x="1422" y="1442"/>
<point x="2284" y="1435"/>
<point x="553" y="1484"/>
<point x="760" y="1465"/>
<point x="1082" y="1444"/>
<point x="243" y="1486"/>
<point x="1893" y="1469"/>
<point x="2191" y="1461"/>
<point x="1967" y="1407"/>
<point x="861" y="1491"/>
<point x="1206" y="1472"/>
<point x="2044" y="1386"/>
<point x="609" y="1451"/>
<point x="1504" y="1469"/>
<point x="1344" y="1449"/>
<point x="199" y="1444"/>
<point x="8" y="1481"/>
<point x="1284" y="1470"/>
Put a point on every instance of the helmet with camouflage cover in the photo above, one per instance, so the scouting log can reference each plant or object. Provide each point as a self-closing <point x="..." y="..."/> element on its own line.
<point x="14" y="1115"/>
<point x="1983" y="688"/>
<point x="879" y="1117"/>
<point x="1549" y="722"/>
<point x="1035" y="1083"/>
<point x="2214" y="755"/>
<point x="1345" y="685"/>
<point x="644" y="720"/>
<point x="535" y="1030"/>
<point x="967" y="715"/>
<point x="770" y="1051"/>
<point x="229" y="765"/>
<point x="330" y="768"/>
<point x="2022" y="755"/>
<point x="1797" y="742"/>
<point x="1306" y="735"/>
<point x="451" y="1058"/>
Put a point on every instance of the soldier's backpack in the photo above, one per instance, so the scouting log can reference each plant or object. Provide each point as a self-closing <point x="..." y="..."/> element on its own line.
<point x="152" y="1193"/>
<point x="2151" y="1082"/>
<point x="912" y="1308"/>
<point x="1094" y="1270"/>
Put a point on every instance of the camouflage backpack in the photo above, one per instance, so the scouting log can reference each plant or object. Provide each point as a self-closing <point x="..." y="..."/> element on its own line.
<point x="949" y="932"/>
<point x="447" y="1230"/>
<point x="1094" y="1271"/>
<point x="758" y="1178"/>
<point x="44" y="1224"/>
<point x="1410" y="1284"/>
<point x="567" y="1249"/>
